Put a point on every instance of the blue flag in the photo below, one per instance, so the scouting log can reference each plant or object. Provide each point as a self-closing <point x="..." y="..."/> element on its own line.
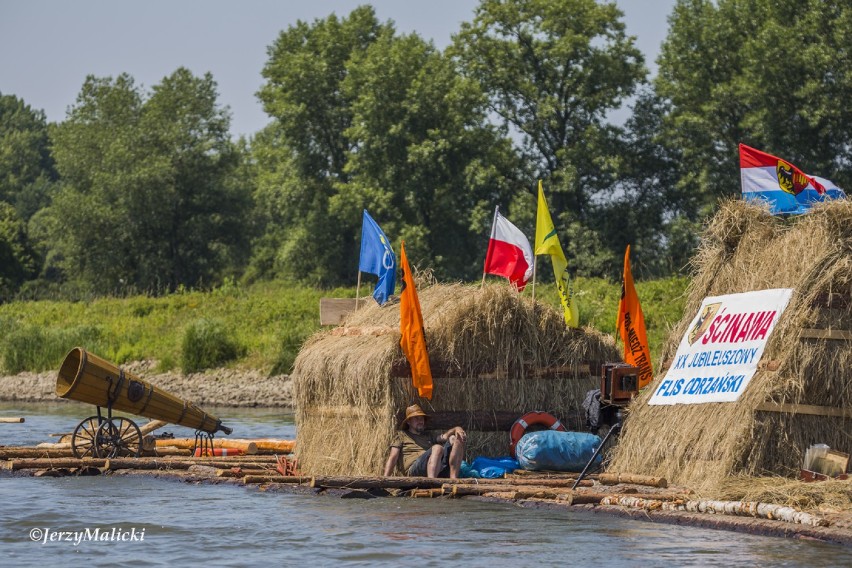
<point x="377" y="258"/>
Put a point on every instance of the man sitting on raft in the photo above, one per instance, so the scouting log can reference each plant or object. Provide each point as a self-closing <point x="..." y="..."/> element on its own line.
<point x="424" y="455"/>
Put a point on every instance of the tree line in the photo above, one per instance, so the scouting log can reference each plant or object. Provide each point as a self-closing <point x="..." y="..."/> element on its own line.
<point x="147" y="191"/>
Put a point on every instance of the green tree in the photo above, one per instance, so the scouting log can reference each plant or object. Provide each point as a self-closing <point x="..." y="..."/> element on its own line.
<point x="150" y="199"/>
<point x="425" y="160"/>
<point x="26" y="165"/>
<point x="768" y="73"/>
<point x="647" y="209"/>
<point x="302" y="154"/>
<point x="18" y="262"/>
<point x="365" y="118"/>
<point x="553" y="70"/>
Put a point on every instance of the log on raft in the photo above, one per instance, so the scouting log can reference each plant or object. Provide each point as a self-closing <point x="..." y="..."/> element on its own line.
<point x="273" y="446"/>
<point x="732" y="508"/>
<point x="26" y="452"/>
<point x="408" y="483"/>
<point x="425" y="493"/>
<point x="525" y="492"/>
<point x="752" y="509"/>
<point x="50" y="463"/>
<point x="166" y="464"/>
<point x="245" y="472"/>
<point x="567" y="483"/>
<point x="549" y="474"/>
<point x="247" y="446"/>
<point x="251" y="447"/>
<point x="167" y="451"/>
<point x="632" y="479"/>
<point x="263" y="479"/>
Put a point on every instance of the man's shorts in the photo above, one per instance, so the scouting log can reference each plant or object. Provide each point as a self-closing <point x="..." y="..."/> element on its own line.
<point x="418" y="468"/>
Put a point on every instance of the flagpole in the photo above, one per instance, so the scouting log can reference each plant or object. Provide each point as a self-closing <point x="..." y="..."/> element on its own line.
<point x="358" y="290"/>
<point x="535" y="261"/>
<point x="488" y="252"/>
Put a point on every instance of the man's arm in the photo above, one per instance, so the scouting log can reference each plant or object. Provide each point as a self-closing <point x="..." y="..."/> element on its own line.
<point x="392" y="459"/>
<point x="457" y="431"/>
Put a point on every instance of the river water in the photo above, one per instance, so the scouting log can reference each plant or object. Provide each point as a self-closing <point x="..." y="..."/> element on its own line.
<point x="139" y="521"/>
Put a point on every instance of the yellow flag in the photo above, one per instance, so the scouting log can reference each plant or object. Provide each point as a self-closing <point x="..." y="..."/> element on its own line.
<point x="630" y="324"/>
<point x="413" y="339"/>
<point x="547" y="242"/>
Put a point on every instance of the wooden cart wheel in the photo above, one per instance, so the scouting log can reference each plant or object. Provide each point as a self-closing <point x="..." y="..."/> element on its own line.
<point x="83" y="443"/>
<point x="118" y="437"/>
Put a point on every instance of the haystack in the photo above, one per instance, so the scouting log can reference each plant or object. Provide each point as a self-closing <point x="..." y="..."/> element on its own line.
<point x="802" y="391"/>
<point x="494" y="357"/>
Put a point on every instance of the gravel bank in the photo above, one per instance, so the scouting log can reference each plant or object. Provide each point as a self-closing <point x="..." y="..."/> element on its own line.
<point x="215" y="387"/>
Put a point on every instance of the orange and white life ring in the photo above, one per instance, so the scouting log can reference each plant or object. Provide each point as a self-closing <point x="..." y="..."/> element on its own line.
<point x="536" y="417"/>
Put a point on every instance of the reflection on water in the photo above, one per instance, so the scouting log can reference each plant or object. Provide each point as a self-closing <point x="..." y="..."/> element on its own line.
<point x="225" y="525"/>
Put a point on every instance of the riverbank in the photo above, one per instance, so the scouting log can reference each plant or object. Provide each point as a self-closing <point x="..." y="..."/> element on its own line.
<point x="214" y="387"/>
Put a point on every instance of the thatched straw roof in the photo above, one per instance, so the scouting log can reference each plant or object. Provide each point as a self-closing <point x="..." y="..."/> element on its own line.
<point x="493" y="354"/>
<point x="745" y="248"/>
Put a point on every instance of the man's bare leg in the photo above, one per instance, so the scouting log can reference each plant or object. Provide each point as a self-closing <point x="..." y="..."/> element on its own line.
<point x="456" y="456"/>
<point x="433" y="466"/>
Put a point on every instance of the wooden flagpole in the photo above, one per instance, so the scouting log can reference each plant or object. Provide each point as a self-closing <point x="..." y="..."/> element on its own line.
<point x="358" y="290"/>
<point x="535" y="260"/>
<point x="487" y="252"/>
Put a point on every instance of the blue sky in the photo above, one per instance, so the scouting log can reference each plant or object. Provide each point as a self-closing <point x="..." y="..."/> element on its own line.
<point x="49" y="46"/>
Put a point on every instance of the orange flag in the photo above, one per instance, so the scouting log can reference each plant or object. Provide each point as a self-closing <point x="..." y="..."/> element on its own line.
<point x="413" y="340"/>
<point x="631" y="326"/>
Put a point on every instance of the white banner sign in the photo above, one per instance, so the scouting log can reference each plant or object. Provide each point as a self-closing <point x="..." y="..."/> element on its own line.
<point x="718" y="355"/>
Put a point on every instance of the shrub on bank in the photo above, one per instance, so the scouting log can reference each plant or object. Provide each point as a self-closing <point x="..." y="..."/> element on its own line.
<point x="207" y="344"/>
<point x="268" y="320"/>
<point x="33" y="348"/>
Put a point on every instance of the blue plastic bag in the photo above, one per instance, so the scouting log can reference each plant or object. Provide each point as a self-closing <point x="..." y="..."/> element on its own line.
<point x="557" y="451"/>
<point x="492" y="468"/>
<point x="467" y="471"/>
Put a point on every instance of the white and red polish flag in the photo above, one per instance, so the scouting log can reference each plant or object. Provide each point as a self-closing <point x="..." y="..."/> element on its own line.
<point x="509" y="253"/>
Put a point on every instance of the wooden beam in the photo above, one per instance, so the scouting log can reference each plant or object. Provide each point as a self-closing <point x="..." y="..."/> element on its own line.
<point x="333" y="310"/>
<point x="488" y="420"/>
<point x="805" y="409"/>
<point x="826" y="334"/>
<point x="445" y="370"/>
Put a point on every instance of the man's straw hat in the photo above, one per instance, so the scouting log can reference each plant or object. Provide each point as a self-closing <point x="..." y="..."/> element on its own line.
<point x="411" y="412"/>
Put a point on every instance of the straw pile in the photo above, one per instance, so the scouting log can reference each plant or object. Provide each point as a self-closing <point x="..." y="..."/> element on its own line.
<point x="492" y="352"/>
<point x="744" y="248"/>
<point x="831" y="494"/>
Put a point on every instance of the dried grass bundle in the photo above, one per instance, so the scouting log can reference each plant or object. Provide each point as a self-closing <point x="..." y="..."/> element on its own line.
<point x="745" y="248"/>
<point x="784" y="491"/>
<point x="491" y="350"/>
